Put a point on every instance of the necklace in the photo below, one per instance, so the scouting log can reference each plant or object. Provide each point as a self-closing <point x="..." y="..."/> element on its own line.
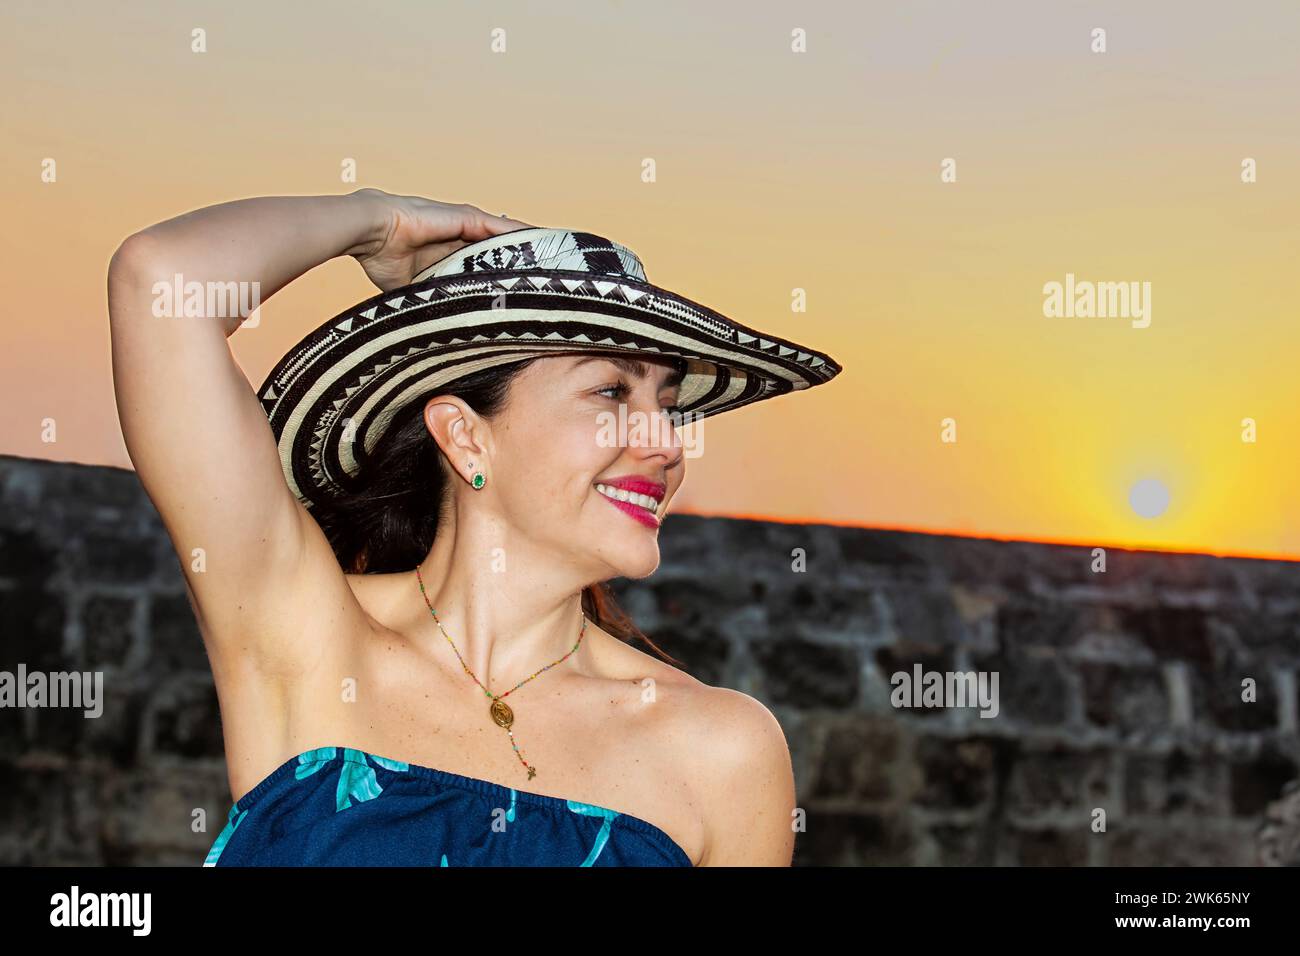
<point x="500" y="711"/>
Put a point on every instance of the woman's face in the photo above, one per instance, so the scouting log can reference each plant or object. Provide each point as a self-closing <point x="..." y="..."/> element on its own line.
<point x="562" y="438"/>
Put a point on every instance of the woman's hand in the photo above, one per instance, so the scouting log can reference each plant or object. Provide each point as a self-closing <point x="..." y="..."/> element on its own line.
<point x="411" y="233"/>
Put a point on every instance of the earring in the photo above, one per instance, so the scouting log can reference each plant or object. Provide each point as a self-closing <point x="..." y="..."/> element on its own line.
<point x="479" y="480"/>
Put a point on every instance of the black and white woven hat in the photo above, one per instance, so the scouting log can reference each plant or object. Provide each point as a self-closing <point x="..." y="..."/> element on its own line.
<point x="530" y="292"/>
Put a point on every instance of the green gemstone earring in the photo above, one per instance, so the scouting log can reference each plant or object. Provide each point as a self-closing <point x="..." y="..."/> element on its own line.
<point x="478" y="481"/>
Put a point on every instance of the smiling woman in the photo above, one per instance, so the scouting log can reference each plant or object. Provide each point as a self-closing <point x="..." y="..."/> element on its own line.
<point x="434" y="471"/>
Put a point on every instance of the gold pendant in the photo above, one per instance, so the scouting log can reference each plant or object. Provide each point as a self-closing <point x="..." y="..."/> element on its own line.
<point x="502" y="714"/>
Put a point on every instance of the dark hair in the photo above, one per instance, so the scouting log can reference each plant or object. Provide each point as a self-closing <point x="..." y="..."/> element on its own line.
<point x="389" y="525"/>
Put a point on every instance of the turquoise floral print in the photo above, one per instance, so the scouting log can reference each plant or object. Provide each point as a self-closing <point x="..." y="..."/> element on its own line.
<point x="232" y="821"/>
<point x="356" y="782"/>
<point x="591" y="810"/>
<point x="356" y="776"/>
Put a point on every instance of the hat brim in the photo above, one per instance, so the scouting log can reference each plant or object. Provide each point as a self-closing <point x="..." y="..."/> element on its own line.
<point x="333" y="396"/>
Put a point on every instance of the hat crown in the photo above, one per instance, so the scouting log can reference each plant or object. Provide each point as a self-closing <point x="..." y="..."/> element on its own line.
<point x="540" y="249"/>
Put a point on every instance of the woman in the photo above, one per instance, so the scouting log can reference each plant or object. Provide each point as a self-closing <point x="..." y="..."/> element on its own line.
<point x="418" y="543"/>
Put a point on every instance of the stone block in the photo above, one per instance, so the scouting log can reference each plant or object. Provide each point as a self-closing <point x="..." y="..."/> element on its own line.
<point x="803" y="674"/>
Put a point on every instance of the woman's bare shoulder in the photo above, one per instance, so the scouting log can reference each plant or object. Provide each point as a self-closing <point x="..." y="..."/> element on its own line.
<point x="744" y="778"/>
<point x="731" y="750"/>
<point x="706" y="708"/>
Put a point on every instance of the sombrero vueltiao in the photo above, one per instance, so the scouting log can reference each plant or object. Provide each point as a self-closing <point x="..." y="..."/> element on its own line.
<point x="554" y="290"/>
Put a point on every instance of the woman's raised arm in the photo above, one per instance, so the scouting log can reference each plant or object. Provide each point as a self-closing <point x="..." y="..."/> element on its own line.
<point x="254" y="561"/>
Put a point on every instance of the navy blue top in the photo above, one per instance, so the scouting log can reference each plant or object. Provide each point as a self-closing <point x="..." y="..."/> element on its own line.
<point x="336" y="806"/>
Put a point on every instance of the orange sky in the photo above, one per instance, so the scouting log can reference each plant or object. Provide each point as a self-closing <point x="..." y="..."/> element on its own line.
<point x="775" y="171"/>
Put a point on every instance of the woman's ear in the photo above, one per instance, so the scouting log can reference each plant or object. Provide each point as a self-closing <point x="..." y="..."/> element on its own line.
<point x="457" y="429"/>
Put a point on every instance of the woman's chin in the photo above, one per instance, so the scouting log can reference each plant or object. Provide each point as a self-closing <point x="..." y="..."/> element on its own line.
<point x="636" y="562"/>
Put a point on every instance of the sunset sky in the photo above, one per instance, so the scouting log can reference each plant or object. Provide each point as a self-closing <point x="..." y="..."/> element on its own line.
<point x="776" y="171"/>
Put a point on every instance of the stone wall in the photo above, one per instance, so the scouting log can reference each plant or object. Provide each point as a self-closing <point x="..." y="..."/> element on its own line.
<point x="1118" y="691"/>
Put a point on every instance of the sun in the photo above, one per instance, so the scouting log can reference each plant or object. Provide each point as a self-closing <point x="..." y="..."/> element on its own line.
<point x="1149" y="498"/>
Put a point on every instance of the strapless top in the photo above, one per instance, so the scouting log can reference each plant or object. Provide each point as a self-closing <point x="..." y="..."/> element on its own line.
<point x="337" y="806"/>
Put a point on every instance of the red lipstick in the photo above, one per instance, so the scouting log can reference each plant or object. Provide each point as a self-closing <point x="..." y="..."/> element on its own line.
<point x="638" y="485"/>
<point x="634" y="484"/>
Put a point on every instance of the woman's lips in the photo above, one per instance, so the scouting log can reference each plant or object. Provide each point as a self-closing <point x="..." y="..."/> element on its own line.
<point x="635" y="511"/>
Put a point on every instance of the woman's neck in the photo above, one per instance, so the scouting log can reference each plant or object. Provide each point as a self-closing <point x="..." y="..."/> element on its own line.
<point x="508" y="609"/>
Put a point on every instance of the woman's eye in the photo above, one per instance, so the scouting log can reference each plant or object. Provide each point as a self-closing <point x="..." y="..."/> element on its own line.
<point x="621" y="389"/>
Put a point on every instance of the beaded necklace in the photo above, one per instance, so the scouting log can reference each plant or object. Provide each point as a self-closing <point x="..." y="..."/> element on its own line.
<point x="500" y="711"/>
